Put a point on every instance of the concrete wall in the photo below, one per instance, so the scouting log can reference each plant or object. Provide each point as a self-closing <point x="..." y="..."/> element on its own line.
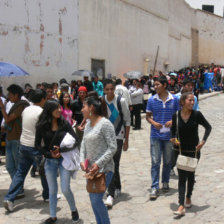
<point x="180" y="44"/>
<point x="123" y="33"/>
<point x="51" y="39"/>
<point x="40" y="36"/>
<point x="211" y="38"/>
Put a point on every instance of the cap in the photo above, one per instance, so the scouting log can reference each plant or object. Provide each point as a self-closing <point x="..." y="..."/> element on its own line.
<point x="82" y="88"/>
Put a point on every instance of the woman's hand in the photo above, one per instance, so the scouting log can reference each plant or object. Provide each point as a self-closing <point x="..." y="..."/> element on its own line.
<point x="168" y="124"/>
<point x="55" y="153"/>
<point x="81" y="128"/>
<point x="94" y="169"/>
<point x="199" y="146"/>
<point x="83" y="167"/>
<point x="175" y="141"/>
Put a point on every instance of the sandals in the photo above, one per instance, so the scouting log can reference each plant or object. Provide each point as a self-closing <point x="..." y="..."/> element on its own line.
<point x="50" y="220"/>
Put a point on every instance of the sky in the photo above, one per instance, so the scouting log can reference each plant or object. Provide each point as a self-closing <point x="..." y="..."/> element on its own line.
<point x="218" y="5"/>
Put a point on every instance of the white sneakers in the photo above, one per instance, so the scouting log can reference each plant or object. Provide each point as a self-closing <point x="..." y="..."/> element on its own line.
<point x="8" y="205"/>
<point x="109" y="202"/>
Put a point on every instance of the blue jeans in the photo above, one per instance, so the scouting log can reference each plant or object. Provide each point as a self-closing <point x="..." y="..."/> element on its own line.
<point x="12" y="156"/>
<point x="98" y="206"/>
<point x="27" y="155"/>
<point x="51" y="168"/>
<point x="159" y="148"/>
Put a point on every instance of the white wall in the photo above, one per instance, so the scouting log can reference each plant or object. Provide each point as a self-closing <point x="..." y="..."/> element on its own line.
<point x="211" y="38"/>
<point x="41" y="37"/>
<point x="218" y="5"/>
<point x="180" y="44"/>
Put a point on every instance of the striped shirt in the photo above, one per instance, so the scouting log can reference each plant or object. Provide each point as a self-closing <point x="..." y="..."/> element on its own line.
<point x="162" y="112"/>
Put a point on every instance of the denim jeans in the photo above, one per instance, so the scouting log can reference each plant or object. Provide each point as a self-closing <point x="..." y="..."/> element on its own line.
<point x="99" y="208"/>
<point x="51" y="168"/>
<point x="159" y="148"/>
<point x="12" y="156"/>
<point x="27" y="155"/>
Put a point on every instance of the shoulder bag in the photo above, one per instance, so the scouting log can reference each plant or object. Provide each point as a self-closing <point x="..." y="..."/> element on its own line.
<point x="97" y="184"/>
<point x="185" y="162"/>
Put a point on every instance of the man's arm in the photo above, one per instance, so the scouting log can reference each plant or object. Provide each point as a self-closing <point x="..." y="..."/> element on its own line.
<point x="8" y="118"/>
<point x="149" y="118"/>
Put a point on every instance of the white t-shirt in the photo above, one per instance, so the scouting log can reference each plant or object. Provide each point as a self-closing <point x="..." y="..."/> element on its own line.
<point x="30" y="116"/>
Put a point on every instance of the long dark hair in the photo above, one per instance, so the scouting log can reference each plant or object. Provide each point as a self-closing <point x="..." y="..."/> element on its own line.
<point x="61" y="100"/>
<point x="45" y="120"/>
<point x="99" y="104"/>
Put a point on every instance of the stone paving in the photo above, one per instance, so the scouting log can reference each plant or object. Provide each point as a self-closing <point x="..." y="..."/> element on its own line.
<point x="134" y="206"/>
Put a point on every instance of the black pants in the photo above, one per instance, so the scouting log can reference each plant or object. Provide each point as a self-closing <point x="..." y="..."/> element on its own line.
<point x="116" y="181"/>
<point x="136" y="112"/>
<point x="175" y="154"/>
<point x="185" y="177"/>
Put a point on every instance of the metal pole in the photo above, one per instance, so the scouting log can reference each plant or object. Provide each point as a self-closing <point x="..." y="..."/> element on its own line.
<point x="157" y="53"/>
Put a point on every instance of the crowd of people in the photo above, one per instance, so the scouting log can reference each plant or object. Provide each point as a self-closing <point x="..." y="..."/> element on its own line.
<point x="58" y="129"/>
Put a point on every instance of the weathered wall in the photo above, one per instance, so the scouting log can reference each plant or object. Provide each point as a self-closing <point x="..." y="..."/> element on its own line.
<point x="51" y="39"/>
<point x="123" y="33"/>
<point x="40" y="36"/>
<point x="180" y="44"/>
<point x="211" y="38"/>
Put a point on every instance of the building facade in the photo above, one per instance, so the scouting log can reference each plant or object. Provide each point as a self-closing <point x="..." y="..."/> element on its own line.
<point x="52" y="39"/>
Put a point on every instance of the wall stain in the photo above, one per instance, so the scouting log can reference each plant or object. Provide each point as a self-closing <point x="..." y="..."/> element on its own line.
<point x="63" y="11"/>
<point x="60" y="27"/>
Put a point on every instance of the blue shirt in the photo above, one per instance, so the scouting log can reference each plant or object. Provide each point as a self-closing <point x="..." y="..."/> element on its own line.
<point x="195" y="107"/>
<point x="162" y="112"/>
<point x="98" y="87"/>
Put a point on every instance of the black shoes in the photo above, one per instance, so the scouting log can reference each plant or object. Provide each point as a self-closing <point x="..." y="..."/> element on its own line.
<point x="50" y="220"/>
<point x="136" y="129"/>
<point x="75" y="216"/>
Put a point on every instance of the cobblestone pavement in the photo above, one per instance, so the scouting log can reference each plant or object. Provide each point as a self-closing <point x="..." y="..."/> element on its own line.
<point x="134" y="206"/>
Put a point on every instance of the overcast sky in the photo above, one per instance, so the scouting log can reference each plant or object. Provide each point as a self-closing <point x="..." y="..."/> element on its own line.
<point x="218" y="5"/>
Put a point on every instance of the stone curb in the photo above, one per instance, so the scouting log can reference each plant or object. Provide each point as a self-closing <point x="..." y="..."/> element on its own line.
<point x="208" y="95"/>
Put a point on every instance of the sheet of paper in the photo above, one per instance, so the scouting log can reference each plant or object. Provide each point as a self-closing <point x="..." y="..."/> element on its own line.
<point x="164" y="129"/>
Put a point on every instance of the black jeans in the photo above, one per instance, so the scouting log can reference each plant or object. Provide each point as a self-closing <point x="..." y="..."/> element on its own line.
<point x="175" y="154"/>
<point x="137" y="114"/>
<point x="116" y="181"/>
<point x="185" y="176"/>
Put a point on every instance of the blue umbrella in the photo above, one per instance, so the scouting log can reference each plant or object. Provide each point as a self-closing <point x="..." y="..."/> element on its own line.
<point x="7" y="69"/>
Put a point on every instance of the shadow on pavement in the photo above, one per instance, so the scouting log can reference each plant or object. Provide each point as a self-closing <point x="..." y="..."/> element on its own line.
<point x="193" y="209"/>
<point x="68" y="221"/>
<point x="32" y="200"/>
<point x="169" y="193"/>
<point x="122" y="197"/>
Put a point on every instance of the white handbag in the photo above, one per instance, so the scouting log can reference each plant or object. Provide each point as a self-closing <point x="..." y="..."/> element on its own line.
<point x="185" y="162"/>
